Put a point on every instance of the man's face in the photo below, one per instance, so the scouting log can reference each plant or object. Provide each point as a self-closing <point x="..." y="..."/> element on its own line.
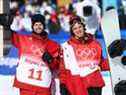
<point x="78" y="30"/>
<point x="38" y="27"/>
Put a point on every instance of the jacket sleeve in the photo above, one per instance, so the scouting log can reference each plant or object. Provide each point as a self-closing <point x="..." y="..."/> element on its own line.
<point x="15" y="39"/>
<point x="104" y="64"/>
<point x="53" y="48"/>
<point x="62" y="70"/>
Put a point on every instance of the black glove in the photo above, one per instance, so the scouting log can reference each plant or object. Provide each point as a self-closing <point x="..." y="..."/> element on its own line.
<point x="124" y="60"/>
<point x="64" y="90"/>
<point x="47" y="57"/>
<point x="117" y="47"/>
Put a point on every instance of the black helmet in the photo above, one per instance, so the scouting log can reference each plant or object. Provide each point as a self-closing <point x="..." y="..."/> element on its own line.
<point x="38" y="18"/>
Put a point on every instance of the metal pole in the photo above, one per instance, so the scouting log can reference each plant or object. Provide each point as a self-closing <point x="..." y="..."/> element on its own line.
<point x="1" y="30"/>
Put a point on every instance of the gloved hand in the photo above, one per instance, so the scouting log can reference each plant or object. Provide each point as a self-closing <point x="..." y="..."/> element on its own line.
<point x="47" y="57"/>
<point x="64" y="90"/>
<point x="117" y="47"/>
<point x="123" y="60"/>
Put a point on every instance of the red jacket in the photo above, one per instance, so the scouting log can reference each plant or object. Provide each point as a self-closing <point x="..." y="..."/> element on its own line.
<point x="85" y="55"/>
<point x="35" y="46"/>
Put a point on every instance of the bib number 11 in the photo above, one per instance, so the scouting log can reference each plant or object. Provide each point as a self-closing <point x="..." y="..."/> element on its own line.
<point x="36" y="75"/>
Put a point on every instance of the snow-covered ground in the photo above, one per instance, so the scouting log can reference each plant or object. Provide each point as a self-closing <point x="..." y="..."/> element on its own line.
<point x="6" y="85"/>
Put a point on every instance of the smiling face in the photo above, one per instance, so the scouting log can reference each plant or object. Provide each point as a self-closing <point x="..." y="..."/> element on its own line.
<point x="38" y="27"/>
<point x="78" y="30"/>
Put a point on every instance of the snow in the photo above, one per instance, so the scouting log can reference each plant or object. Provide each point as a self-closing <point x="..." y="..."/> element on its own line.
<point x="6" y="85"/>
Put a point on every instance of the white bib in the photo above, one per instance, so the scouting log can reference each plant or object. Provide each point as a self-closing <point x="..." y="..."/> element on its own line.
<point x="71" y="63"/>
<point x="32" y="70"/>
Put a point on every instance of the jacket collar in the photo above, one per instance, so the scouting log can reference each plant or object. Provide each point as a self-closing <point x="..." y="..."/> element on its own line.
<point x="39" y="37"/>
<point x="86" y="40"/>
